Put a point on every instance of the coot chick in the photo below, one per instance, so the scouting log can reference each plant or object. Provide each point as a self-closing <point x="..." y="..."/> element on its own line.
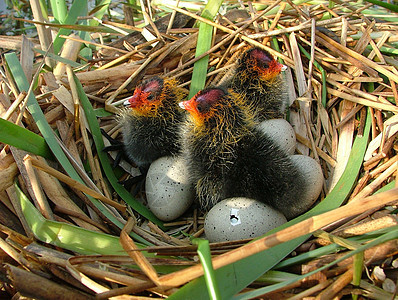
<point x="150" y="123"/>
<point x="258" y="80"/>
<point x="229" y="157"/>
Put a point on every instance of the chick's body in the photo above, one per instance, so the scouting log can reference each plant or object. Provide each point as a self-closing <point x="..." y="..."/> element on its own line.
<point x="228" y="157"/>
<point x="150" y="123"/>
<point x="259" y="82"/>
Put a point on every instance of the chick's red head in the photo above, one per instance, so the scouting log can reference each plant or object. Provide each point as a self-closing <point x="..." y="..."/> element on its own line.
<point x="263" y="63"/>
<point x="147" y="96"/>
<point x="204" y="104"/>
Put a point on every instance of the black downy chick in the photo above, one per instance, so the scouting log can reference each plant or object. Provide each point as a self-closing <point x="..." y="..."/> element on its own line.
<point x="150" y="123"/>
<point x="258" y="80"/>
<point x="228" y="156"/>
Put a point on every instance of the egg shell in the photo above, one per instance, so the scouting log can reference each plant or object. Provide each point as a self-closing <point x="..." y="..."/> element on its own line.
<point x="312" y="172"/>
<point x="240" y="218"/>
<point x="168" y="189"/>
<point x="281" y="132"/>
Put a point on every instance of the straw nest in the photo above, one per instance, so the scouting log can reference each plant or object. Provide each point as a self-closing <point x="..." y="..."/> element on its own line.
<point x="342" y="79"/>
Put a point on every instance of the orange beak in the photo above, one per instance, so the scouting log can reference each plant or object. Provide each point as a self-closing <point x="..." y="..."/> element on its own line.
<point x="189" y="105"/>
<point x="135" y="100"/>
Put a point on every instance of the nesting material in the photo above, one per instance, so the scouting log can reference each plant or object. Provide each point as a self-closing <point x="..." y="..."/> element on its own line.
<point x="341" y="79"/>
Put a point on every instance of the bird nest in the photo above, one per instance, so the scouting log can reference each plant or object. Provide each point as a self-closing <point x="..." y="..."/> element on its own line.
<point x="68" y="224"/>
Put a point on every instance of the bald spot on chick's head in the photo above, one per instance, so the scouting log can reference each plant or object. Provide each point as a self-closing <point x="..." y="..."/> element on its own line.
<point x="260" y="62"/>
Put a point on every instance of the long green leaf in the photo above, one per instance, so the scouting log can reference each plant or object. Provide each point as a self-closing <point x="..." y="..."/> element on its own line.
<point x="36" y="112"/>
<point x="24" y="139"/>
<point x="205" y="259"/>
<point x="59" y="9"/>
<point x="67" y="236"/>
<point x="99" y="144"/>
<point x="203" y="44"/>
<point x="389" y="6"/>
<point x="332" y="248"/>
<point x="58" y="58"/>
<point x="234" y="277"/>
<point x="75" y="238"/>
<point x="358" y="268"/>
<point x="77" y="9"/>
<point x="102" y="8"/>
<point x="390" y="235"/>
<point x="48" y="134"/>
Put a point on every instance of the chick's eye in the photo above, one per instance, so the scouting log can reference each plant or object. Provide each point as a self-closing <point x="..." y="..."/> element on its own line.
<point x="150" y="97"/>
<point x="199" y="108"/>
<point x="202" y="107"/>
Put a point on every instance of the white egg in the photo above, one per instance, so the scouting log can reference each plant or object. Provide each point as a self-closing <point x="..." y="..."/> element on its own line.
<point x="168" y="189"/>
<point x="240" y="218"/>
<point x="312" y="172"/>
<point x="281" y="132"/>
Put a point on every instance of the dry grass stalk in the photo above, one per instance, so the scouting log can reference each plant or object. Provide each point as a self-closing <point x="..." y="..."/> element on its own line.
<point x="348" y="67"/>
<point x="376" y="183"/>
<point x="371" y="255"/>
<point x="70" y="51"/>
<point x="336" y="286"/>
<point x="60" y="198"/>
<point x="321" y="153"/>
<point x="40" y="199"/>
<point x="43" y="31"/>
<point x="28" y="283"/>
<point x="137" y="256"/>
<point x="165" y="236"/>
<point x="127" y="55"/>
<point x="85" y="280"/>
<point x="37" y="164"/>
<point x="27" y="57"/>
<point x="366" y="227"/>
<point x="309" y="225"/>
<point x="230" y="31"/>
<point x="364" y="63"/>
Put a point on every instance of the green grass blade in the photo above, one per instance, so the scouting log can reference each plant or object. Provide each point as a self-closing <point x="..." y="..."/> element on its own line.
<point x="203" y="44"/>
<point x="37" y="114"/>
<point x="48" y="134"/>
<point x="358" y="268"/>
<point x="75" y="238"/>
<point x="205" y="259"/>
<point x="99" y="144"/>
<point x="67" y="236"/>
<point x="77" y="9"/>
<point x="272" y="277"/>
<point x="44" y="9"/>
<point x="389" y="6"/>
<point x="59" y="9"/>
<point x="246" y="270"/>
<point x="390" y="235"/>
<point x="100" y="10"/>
<point x="58" y="58"/>
<point x="24" y="139"/>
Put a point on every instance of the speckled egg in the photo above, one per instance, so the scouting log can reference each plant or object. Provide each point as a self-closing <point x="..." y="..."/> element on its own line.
<point x="168" y="190"/>
<point x="312" y="172"/>
<point x="281" y="132"/>
<point x="240" y="218"/>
